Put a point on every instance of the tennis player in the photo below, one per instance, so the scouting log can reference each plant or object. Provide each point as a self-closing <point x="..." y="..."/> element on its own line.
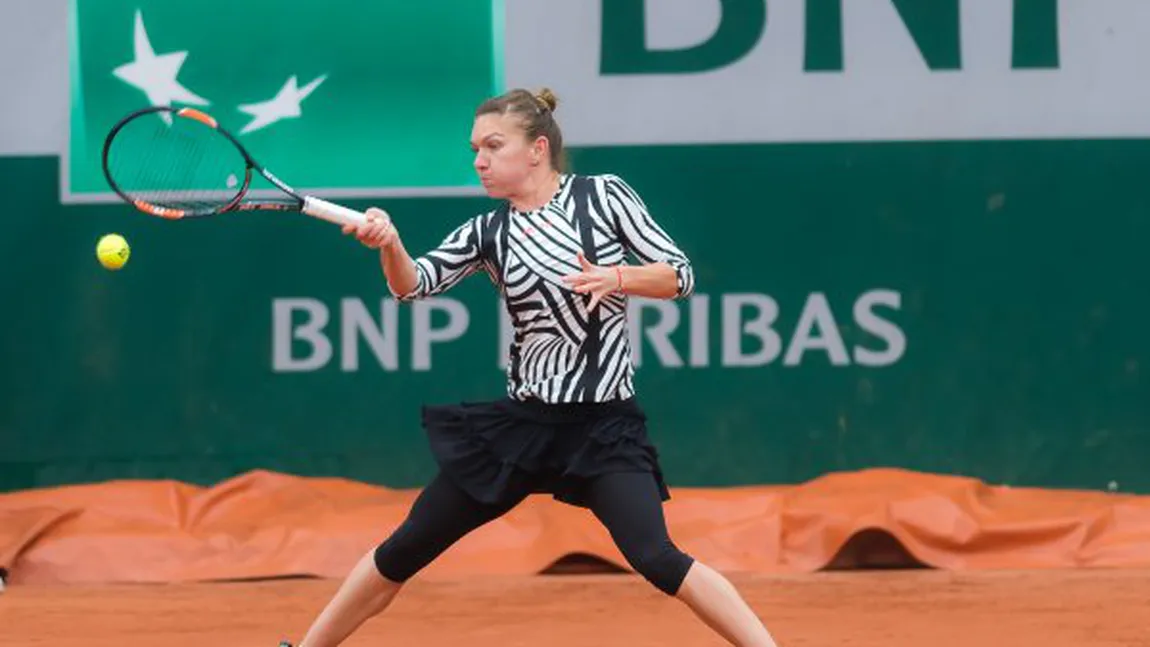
<point x="570" y="424"/>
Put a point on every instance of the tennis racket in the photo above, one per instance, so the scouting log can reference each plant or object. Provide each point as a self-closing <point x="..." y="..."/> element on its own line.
<point x="179" y="163"/>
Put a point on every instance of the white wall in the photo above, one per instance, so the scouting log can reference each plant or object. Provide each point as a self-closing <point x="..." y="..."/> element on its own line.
<point x="33" y="76"/>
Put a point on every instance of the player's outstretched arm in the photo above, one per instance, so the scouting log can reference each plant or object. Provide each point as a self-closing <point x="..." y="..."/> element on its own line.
<point x="397" y="265"/>
<point x="456" y="257"/>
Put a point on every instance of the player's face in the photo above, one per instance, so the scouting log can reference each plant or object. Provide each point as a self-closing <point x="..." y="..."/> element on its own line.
<point x="504" y="158"/>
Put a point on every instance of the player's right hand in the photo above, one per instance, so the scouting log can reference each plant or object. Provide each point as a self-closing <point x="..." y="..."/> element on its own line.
<point x="377" y="232"/>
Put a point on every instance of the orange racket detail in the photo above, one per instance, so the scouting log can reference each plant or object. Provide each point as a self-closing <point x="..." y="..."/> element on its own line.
<point x="163" y="212"/>
<point x="202" y="117"/>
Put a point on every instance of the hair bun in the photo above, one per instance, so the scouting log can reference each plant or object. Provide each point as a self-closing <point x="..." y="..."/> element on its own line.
<point x="547" y="99"/>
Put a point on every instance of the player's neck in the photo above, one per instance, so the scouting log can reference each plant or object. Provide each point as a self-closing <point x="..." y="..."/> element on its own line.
<point x="537" y="191"/>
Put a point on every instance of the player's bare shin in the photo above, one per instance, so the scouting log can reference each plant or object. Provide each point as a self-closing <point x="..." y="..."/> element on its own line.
<point x="364" y="594"/>
<point x="716" y="601"/>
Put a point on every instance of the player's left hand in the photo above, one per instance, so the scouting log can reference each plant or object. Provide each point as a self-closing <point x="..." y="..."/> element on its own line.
<point x="595" y="280"/>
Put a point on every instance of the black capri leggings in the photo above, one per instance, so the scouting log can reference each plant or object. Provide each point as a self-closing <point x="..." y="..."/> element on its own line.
<point x="627" y="503"/>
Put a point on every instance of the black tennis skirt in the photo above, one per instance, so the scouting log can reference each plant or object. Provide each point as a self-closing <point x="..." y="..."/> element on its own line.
<point x="496" y="451"/>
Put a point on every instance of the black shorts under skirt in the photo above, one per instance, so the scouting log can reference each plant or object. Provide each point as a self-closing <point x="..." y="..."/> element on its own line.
<point x="501" y="450"/>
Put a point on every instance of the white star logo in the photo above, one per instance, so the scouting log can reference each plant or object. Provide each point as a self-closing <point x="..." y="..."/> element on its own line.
<point x="285" y="105"/>
<point x="156" y="74"/>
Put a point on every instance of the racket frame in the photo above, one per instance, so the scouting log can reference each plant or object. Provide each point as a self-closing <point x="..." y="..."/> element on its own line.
<point x="306" y="204"/>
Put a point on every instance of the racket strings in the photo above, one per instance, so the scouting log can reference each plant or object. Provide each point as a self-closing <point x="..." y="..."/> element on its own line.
<point x="185" y="165"/>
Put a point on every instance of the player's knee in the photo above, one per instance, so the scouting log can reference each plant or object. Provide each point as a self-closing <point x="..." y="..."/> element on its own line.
<point x="400" y="557"/>
<point x="662" y="564"/>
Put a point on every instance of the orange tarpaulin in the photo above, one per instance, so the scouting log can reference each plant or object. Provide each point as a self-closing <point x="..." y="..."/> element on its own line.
<point x="264" y="524"/>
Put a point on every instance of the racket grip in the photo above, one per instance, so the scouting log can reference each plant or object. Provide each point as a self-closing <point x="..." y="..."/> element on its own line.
<point x="332" y="212"/>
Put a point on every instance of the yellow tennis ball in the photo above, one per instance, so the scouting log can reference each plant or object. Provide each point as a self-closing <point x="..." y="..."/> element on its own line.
<point x="113" y="251"/>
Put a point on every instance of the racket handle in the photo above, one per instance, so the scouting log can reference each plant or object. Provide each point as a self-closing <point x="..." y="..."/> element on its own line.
<point x="332" y="212"/>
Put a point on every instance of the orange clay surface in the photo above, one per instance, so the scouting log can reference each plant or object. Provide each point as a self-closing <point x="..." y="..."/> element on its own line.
<point x="1047" y="608"/>
<point x="125" y="564"/>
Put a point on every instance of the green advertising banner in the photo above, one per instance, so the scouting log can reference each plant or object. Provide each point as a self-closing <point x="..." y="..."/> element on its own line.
<point x="351" y="99"/>
<point x="972" y="308"/>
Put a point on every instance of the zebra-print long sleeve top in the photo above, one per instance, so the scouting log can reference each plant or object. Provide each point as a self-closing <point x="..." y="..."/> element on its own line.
<point x="560" y="352"/>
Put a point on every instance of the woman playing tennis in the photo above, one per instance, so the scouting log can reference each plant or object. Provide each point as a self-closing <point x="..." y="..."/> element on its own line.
<point x="570" y="424"/>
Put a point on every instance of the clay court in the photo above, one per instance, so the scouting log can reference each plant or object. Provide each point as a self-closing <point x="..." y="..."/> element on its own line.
<point x="1055" y="608"/>
<point x="879" y="557"/>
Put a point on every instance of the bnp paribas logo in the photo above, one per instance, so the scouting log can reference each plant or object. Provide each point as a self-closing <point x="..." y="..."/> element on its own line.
<point x="156" y="74"/>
